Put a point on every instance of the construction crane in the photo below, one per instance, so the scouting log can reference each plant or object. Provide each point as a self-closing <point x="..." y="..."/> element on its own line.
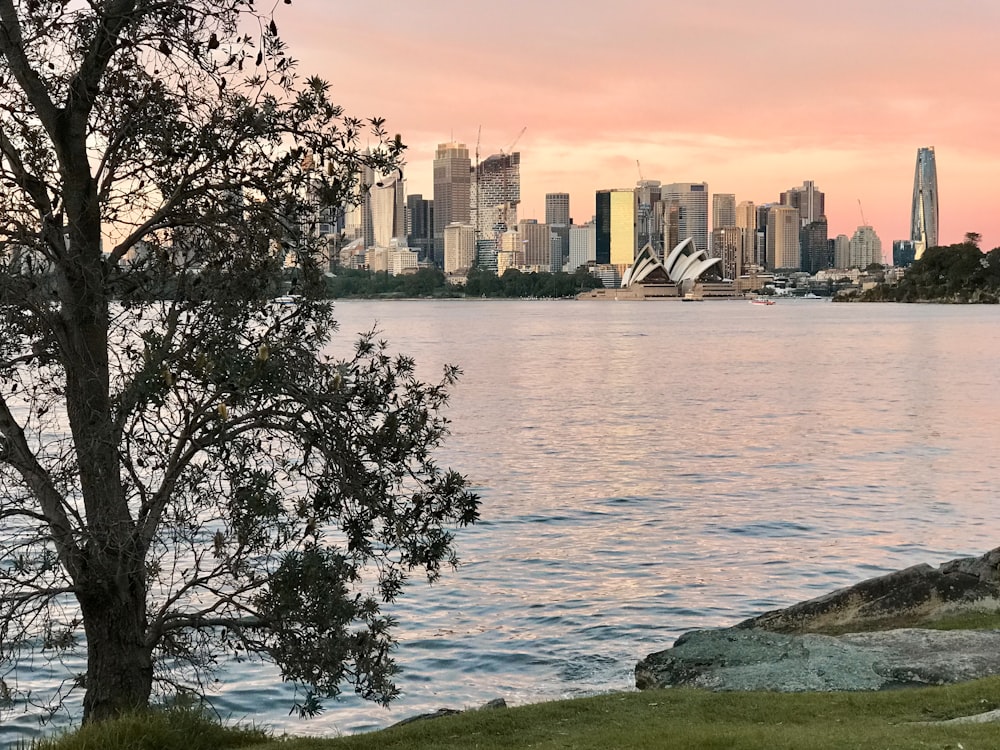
<point x="639" y="167"/>
<point x="479" y="216"/>
<point x="510" y="148"/>
<point x="861" y="208"/>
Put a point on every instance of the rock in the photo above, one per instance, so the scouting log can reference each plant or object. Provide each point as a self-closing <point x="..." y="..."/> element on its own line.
<point x="910" y="595"/>
<point x="493" y="705"/>
<point x="747" y="659"/>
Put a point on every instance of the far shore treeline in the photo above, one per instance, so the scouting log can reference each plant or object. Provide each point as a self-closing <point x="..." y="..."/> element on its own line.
<point x="431" y="282"/>
<point x="960" y="273"/>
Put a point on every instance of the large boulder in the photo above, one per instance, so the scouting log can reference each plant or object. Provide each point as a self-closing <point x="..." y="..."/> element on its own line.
<point x="816" y="644"/>
<point x="744" y="659"/>
<point x="905" y="597"/>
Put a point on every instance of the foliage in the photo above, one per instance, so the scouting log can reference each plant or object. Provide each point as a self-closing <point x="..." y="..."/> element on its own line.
<point x="426" y="282"/>
<point x="185" y="474"/>
<point x="170" y="729"/>
<point x="515" y="283"/>
<point x="954" y="273"/>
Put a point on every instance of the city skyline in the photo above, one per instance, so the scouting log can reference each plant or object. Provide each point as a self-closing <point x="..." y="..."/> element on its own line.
<point x="869" y="85"/>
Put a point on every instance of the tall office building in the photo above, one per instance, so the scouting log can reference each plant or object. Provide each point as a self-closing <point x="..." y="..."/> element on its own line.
<point x="842" y="251"/>
<point x="783" y="238"/>
<point x="452" y="180"/>
<point x="924" y="215"/>
<point x="557" y="209"/>
<point x="815" y="246"/>
<point x="537" y="242"/>
<point x="420" y="225"/>
<point x="723" y="210"/>
<point x="649" y="220"/>
<point x="810" y="201"/>
<point x="727" y="243"/>
<point x="616" y="228"/>
<point x="746" y="220"/>
<point x="494" y="195"/>
<point x="691" y="199"/>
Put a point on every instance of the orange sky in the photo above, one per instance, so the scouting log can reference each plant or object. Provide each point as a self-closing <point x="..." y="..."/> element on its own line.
<point x="752" y="98"/>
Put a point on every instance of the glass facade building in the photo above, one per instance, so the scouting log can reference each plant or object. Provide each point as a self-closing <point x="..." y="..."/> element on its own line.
<point x="924" y="216"/>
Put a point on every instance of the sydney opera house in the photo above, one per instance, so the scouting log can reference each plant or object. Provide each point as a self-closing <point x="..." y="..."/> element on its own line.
<point x="685" y="270"/>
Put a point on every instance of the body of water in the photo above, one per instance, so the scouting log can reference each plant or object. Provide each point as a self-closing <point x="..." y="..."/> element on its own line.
<point x="651" y="468"/>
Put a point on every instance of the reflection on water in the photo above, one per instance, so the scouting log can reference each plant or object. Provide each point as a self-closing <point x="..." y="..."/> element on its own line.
<point x="648" y="468"/>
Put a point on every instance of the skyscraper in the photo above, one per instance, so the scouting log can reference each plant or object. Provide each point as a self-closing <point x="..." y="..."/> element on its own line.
<point x="616" y="227"/>
<point x="387" y="209"/>
<point x="783" y="238"/>
<point x="746" y="220"/>
<point x="452" y="178"/>
<point x="924" y="215"/>
<point x="494" y="195"/>
<point x="810" y="201"/>
<point x="691" y="199"/>
<point x="723" y="210"/>
<point x="557" y="208"/>
<point x="420" y="225"/>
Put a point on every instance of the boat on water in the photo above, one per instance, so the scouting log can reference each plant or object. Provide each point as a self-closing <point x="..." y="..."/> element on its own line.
<point x="692" y="297"/>
<point x="761" y="301"/>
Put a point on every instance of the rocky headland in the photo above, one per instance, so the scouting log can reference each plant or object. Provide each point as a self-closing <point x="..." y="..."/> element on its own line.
<point x="875" y="635"/>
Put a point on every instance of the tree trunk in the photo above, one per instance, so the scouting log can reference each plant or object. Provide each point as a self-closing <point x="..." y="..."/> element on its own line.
<point x="119" y="663"/>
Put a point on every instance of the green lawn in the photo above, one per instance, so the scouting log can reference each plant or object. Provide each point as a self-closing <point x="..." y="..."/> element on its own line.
<point x="677" y="718"/>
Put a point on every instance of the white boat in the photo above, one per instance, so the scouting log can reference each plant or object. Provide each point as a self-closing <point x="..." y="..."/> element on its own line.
<point x="761" y="301"/>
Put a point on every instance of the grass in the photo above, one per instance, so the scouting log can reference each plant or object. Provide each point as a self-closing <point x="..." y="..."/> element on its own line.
<point x="170" y="729"/>
<point x="676" y="718"/>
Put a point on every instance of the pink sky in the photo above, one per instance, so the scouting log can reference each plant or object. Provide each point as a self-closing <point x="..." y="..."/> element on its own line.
<point x="750" y="97"/>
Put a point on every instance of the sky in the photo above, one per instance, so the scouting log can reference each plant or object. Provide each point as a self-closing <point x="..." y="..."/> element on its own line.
<point x="751" y="97"/>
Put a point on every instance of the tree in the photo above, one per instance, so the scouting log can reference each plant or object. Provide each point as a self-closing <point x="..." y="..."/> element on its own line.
<point x="183" y="473"/>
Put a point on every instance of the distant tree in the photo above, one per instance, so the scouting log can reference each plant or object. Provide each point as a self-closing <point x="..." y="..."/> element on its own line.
<point x="183" y="474"/>
<point x="973" y="238"/>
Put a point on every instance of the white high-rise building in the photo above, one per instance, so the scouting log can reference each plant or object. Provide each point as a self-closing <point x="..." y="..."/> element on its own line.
<point x="582" y="246"/>
<point x="387" y="203"/>
<point x="865" y="249"/>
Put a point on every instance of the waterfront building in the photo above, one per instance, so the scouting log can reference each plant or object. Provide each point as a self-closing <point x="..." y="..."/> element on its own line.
<point x="420" y="225"/>
<point x="808" y="199"/>
<point x="924" y="213"/>
<point x="815" y="246"/>
<point x="495" y="194"/>
<point x="727" y="245"/>
<point x="459" y="247"/>
<point x="866" y="248"/>
<point x="537" y="243"/>
<point x="691" y="200"/>
<point x="904" y="252"/>
<point x="582" y="246"/>
<point x="783" y="238"/>
<point x="616" y="228"/>
<point x="557" y="209"/>
<point x="452" y="180"/>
